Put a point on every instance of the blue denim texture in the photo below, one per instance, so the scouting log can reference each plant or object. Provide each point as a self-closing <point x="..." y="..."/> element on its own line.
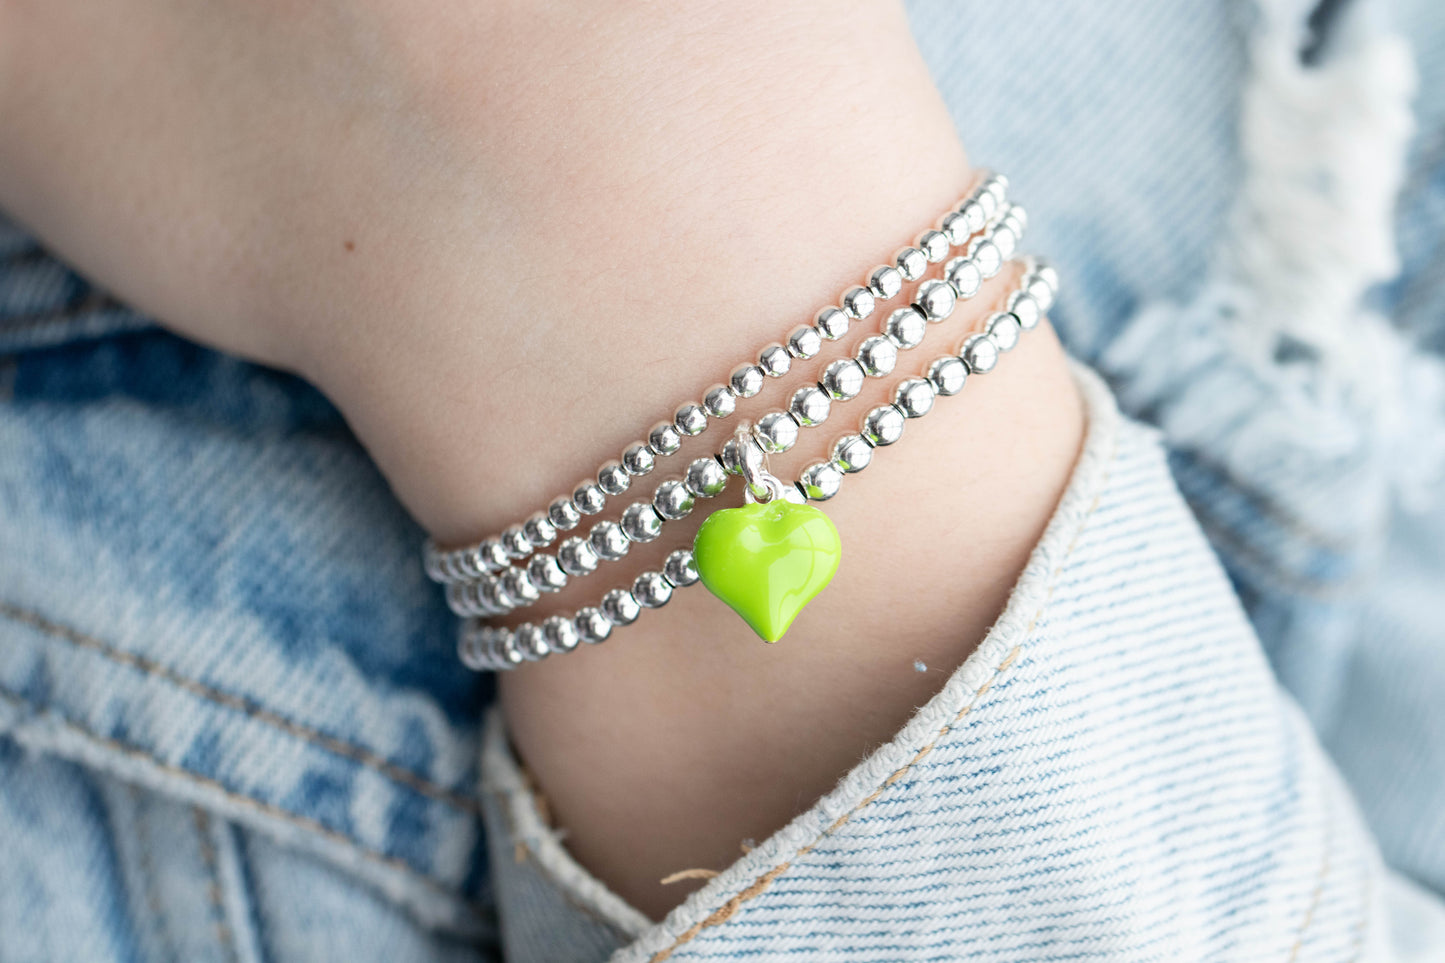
<point x="232" y="725"/>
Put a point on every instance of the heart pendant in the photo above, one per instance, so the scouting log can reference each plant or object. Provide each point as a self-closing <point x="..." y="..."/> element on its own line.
<point x="767" y="561"/>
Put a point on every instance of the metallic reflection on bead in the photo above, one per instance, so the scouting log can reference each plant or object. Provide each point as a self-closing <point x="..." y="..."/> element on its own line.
<point x="461" y="599"/>
<point x="640" y="523"/>
<point x="664" y="438"/>
<point x="690" y="419"/>
<point x="563" y="514"/>
<point x="1004" y="329"/>
<point x="906" y="327"/>
<point x="746" y="380"/>
<point x="609" y="541"/>
<point x="517" y="588"/>
<point x="974" y="218"/>
<point x="680" y="568"/>
<point x="842" y="379"/>
<point x="638" y="459"/>
<point x="489" y="591"/>
<point x="911" y="263"/>
<point x="964" y="275"/>
<point x="560" y="634"/>
<point x="914" y="397"/>
<point x="1005" y="240"/>
<point x="546" y="573"/>
<point x="592" y="626"/>
<point x="948" y="375"/>
<point x="997" y="185"/>
<point x="831" y="322"/>
<point x="613" y="479"/>
<point x="1047" y="273"/>
<point x="588" y="498"/>
<point x="620" y="607"/>
<point x="1020" y="217"/>
<point x="820" y="481"/>
<point x="719" y="401"/>
<point x="987" y="201"/>
<point x="775" y="360"/>
<point x="1026" y="309"/>
<point x="776" y="431"/>
<point x="935" y="299"/>
<point x="882" y="426"/>
<point x="539" y="530"/>
<point x="885" y="281"/>
<point x="507" y="654"/>
<point x="516" y="542"/>
<point x="470" y="650"/>
<point x="858" y="302"/>
<point x="805" y="341"/>
<point x="731" y="457"/>
<point x="794" y="495"/>
<point x="651" y="590"/>
<point x="810" y="406"/>
<point x="934" y="245"/>
<point x="672" y="500"/>
<point x="956" y="226"/>
<point x="852" y="453"/>
<point x="577" y="556"/>
<point x="705" y="478"/>
<point x="986" y="255"/>
<point x="980" y="353"/>
<point x="1043" y="295"/>
<point x="530" y="642"/>
<point x="877" y="356"/>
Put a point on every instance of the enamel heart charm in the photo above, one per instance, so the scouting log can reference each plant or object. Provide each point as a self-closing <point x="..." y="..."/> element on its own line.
<point x="767" y="561"/>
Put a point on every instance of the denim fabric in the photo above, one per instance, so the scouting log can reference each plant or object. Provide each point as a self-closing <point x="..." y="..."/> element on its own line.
<point x="232" y="726"/>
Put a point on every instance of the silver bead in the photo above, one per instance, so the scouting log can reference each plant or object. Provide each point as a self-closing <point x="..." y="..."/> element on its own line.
<point x="731" y="457"/>
<point x="588" y="498"/>
<point x="516" y="542"/>
<point x="1047" y="273"/>
<point x="935" y="299"/>
<point x="914" y="397"/>
<point x="489" y="592"/>
<point x="986" y="255"/>
<point x="775" y="360"/>
<point x="608" y="540"/>
<point x="530" y="643"/>
<point x="705" y="478"/>
<point x="620" y="607"/>
<point x="517" y="589"/>
<point x="577" y="556"/>
<point x="680" y="568"/>
<point x="882" y="426"/>
<point x="592" y="626"/>
<point x="690" y="419"/>
<point x="964" y="275"/>
<point x="877" y="356"/>
<point x="545" y="573"/>
<point x="948" y="375"/>
<point x="746" y="380"/>
<point x="997" y="185"/>
<point x="820" y="481"/>
<point x="652" y="590"/>
<point x="461" y="599"/>
<point x="974" y="218"/>
<point x="842" y="379"/>
<point x="852" y="453"/>
<point x="979" y="353"/>
<point x="638" y="459"/>
<point x="539" y="530"/>
<point x="1020" y="217"/>
<point x="1043" y="295"/>
<point x="471" y="648"/>
<point x="934" y="245"/>
<point x="613" y="479"/>
<point x="831" y="322"/>
<point x="776" y="431"/>
<point x="794" y="495"/>
<point x="956" y="226"/>
<point x="858" y="302"/>
<point x="664" y="438"/>
<point x="505" y="652"/>
<point x="1026" y="309"/>
<point x="987" y="201"/>
<point x="563" y="514"/>
<point x="810" y="406"/>
<point x="1004" y="329"/>
<point x="906" y="327"/>
<point x="640" y="523"/>
<point x="560" y="634"/>
<point x="805" y="341"/>
<point x="719" y="401"/>
<point x="911" y="263"/>
<point x="1005" y="240"/>
<point x="885" y="281"/>
<point x="672" y="500"/>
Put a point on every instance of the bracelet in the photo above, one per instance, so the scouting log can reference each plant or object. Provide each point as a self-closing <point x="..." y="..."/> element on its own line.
<point x="777" y="431"/>
<point x="985" y="204"/>
<point x="483" y="646"/>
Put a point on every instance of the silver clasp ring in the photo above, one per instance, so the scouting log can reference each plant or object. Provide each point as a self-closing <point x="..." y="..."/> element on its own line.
<point x="762" y="486"/>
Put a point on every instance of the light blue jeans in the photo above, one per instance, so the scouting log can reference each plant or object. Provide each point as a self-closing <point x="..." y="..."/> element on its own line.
<point x="232" y="726"/>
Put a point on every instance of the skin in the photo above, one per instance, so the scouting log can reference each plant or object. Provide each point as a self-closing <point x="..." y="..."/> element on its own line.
<point x="504" y="239"/>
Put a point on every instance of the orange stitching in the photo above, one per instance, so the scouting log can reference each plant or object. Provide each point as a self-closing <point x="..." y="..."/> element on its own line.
<point x="365" y="757"/>
<point x="1319" y="890"/>
<point x="213" y="883"/>
<point x="725" y="912"/>
<point x="246" y="802"/>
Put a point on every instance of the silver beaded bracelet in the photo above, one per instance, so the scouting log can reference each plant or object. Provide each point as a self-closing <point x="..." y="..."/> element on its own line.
<point x="985" y="207"/>
<point x="482" y="646"/>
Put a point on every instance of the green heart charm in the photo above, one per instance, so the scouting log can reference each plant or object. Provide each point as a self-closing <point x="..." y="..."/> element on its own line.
<point x="767" y="561"/>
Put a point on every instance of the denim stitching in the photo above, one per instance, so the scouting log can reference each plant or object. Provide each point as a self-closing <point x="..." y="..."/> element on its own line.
<point x="247" y="802"/>
<point x="1318" y="893"/>
<point x="725" y="912"/>
<point x="146" y="866"/>
<point x="213" y="883"/>
<point x="357" y="754"/>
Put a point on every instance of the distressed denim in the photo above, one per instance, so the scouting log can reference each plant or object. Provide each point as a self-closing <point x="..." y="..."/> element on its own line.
<point x="1207" y="726"/>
